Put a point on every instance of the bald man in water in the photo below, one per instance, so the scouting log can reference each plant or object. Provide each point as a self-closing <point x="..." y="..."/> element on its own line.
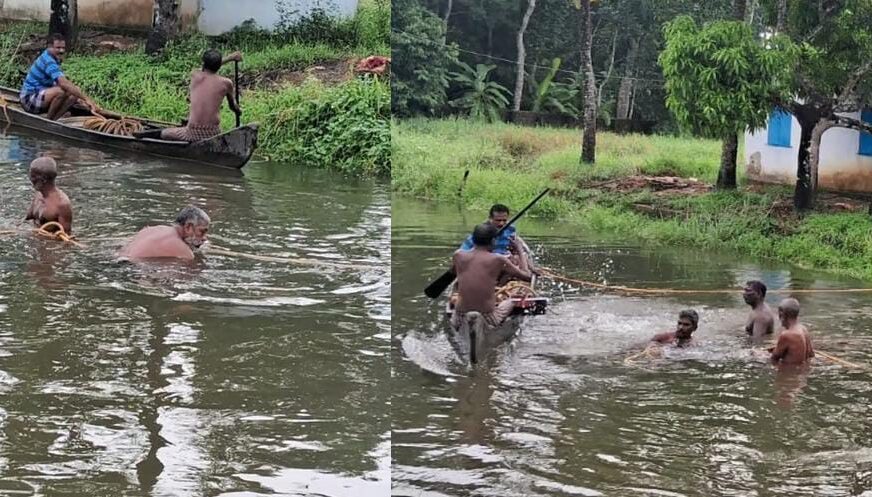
<point x="178" y="241"/>
<point x="49" y="203"/>
<point x="794" y="343"/>
<point x="478" y="271"/>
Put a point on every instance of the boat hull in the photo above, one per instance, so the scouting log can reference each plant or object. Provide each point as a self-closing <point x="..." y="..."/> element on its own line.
<point x="232" y="149"/>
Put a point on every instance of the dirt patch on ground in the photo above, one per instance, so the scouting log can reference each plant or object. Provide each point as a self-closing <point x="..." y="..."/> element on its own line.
<point x="662" y="186"/>
<point x="90" y="42"/>
<point x="328" y="73"/>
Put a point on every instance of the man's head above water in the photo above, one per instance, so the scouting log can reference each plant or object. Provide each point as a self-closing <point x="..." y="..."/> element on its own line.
<point x="192" y="223"/>
<point x="688" y="320"/>
<point x="498" y="215"/>
<point x="43" y="172"/>
<point x="788" y="312"/>
<point x="754" y="292"/>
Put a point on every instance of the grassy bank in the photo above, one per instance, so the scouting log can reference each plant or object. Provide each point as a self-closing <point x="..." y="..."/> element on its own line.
<point x="341" y="123"/>
<point x="511" y="164"/>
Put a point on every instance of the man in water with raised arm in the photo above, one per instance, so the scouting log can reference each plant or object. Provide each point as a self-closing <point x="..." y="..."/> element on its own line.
<point x="761" y="320"/>
<point x="478" y="271"/>
<point x="178" y="241"/>
<point x="688" y="321"/>
<point x="49" y="203"/>
<point x="794" y="343"/>
<point x="207" y="91"/>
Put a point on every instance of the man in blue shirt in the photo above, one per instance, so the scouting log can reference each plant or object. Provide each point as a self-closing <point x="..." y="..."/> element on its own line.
<point x="508" y="242"/>
<point x="46" y="89"/>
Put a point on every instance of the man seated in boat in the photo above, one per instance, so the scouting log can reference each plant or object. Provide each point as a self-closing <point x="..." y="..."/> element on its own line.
<point x="49" y="204"/>
<point x="508" y="242"/>
<point x="688" y="320"/>
<point x="478" y="271"/>
<point x="207" y="91"/>
<point x="46" y="88"/>
<point x="178" y="241"/>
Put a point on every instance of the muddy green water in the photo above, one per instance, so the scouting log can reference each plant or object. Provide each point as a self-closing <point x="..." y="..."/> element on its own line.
<point x="231" y="377"/>
<point x="560" y="414"/>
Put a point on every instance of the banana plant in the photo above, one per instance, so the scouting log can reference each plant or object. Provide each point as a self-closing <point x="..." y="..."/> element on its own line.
<point x="482" y="99"/>
<point x="552" y="95"/>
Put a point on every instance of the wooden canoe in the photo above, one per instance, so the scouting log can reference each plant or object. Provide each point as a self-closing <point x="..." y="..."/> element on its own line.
<point x="471" y="345"/>
<point x="232" y="149"/>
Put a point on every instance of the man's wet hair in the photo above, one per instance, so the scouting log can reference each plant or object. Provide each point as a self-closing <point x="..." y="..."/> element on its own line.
<point x="212" y="60"/>
<point x="483" y="234"/>
<point x="691" y="315"/>
<point x="49" y="41"/>
<point x="45" y="167"/>
<point x="192" y="215"/>
<point x="789" y="307"/>
<point x="758" y="286"/>
<point x="498" y="208"/>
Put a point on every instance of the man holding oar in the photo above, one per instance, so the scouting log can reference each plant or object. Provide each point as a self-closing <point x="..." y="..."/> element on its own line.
<point x="46" y="89"/>
<point x="508" y="242"/>
<point x="478" y="272"/>
<point x="208" y="90"/>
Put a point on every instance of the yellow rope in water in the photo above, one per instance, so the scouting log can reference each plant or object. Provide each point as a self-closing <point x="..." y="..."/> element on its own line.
<point x="671" y="291"/>
<point x="647" y="352"/>
<point x="60" y="234"/>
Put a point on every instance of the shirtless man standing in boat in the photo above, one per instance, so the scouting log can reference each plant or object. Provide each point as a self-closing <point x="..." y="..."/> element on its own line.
<point x="49" y="203"/>
<point x="478" y="271"/>
<point x="178" y="241"/>
<point x="794" y="343"/>
<point x="688" y="320"/>
<point x="761" y="320"/>
<point x="208" y="90"/>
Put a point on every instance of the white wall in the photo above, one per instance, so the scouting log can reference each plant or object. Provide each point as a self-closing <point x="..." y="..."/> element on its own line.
<point x="840" y="167"/>
<point x="211" y="17"/>
<point x="220" y="16"/>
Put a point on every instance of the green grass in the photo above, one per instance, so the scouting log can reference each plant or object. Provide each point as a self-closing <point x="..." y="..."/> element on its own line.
<point x="510" y="164"/>
<point x="343" y="127"/>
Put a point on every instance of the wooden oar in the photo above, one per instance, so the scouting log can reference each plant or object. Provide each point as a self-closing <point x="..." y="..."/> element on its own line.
<point x="438" y="286"/>
<point x="236" y="77"/>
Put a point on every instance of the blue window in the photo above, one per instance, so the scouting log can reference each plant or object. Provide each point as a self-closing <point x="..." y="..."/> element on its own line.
<point x="779" y="128"/>
<point x="865" y="138"/>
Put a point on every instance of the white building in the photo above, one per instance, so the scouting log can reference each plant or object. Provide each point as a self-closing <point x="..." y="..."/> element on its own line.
<point x="845" y="161"/>
<point x="211" y="17"/>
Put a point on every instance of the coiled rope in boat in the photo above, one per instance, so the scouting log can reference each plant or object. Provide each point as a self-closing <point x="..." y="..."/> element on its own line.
<point x="120" y="127"/>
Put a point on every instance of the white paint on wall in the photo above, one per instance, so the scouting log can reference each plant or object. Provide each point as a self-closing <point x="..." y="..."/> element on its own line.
<point x="212" y="17"/>
<point x="841" y="167"/>
<point x="220" y="16"/>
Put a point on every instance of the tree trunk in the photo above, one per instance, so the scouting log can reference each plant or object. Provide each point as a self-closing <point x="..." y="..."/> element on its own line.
<point x="814" y="152"/>
<point x="64" y="20"/>
<point x="522" y="54"/>
<point x="739" y="10"/>
<point x="165" y="26"/>
<point x="803" y="195"/>
<point x="729" y="153"/>
<point x="599" y="91"/>
<point x="445" y="22"/>
<point x="588" y="140"/>
<point x="781" y="16"/>
<point x="625" y="90"/>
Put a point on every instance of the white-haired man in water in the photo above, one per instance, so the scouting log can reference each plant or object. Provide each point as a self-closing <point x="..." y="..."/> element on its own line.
<point x="50" y="203"/>
<point x="178" y="241"/>
<point x="794" y="343"/>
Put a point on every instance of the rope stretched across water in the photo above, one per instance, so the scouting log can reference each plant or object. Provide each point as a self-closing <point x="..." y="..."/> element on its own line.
<point x="673" y="291"/>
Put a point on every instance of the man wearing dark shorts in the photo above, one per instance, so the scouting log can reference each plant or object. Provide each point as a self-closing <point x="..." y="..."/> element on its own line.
<point x="46" y="89"/>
